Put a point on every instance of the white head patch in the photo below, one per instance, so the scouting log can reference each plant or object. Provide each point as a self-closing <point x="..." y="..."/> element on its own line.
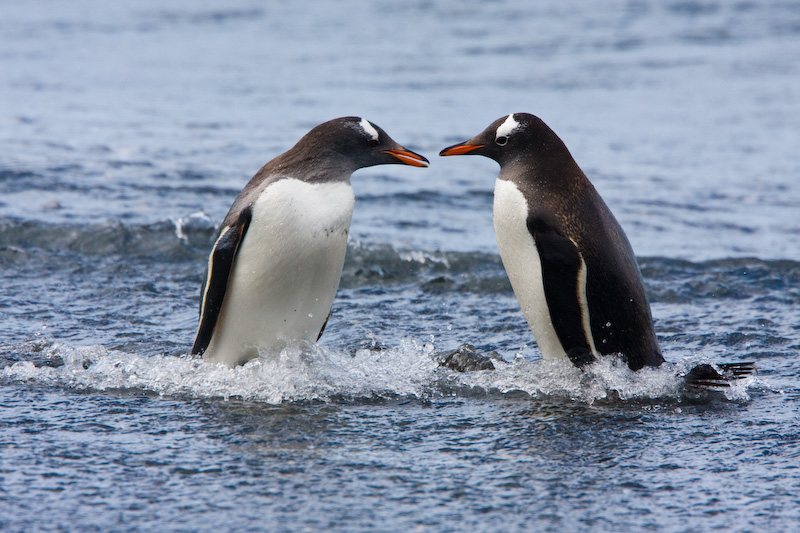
<point x="369" y="129"/>
<point x="507" y="128"/>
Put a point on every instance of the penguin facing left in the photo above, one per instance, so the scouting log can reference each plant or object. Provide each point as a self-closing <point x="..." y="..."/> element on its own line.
<point x="275" y="266"/>
<point x="570" y="264"/>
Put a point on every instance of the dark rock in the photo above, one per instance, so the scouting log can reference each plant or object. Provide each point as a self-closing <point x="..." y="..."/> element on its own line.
<point x="466" y="359"/>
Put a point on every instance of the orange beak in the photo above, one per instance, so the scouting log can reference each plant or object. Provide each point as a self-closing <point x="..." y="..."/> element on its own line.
<point x="460" y="149"/>
<point x="407" y="157"/>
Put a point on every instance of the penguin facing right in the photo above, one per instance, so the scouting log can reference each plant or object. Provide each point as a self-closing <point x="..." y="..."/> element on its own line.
<point x="570" y="264"/>
<point x="275" y="266"/>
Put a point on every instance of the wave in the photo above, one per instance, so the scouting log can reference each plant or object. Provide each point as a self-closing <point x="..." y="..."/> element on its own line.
<point x="188" y="239"/>
<point x="168" y="239"/>
<point x="677" y="281"/>
<point x="304" y="373"/>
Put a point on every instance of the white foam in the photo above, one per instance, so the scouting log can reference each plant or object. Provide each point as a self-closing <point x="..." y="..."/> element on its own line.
<point x="300" y="372"/>
<point x="313" y="372"/>
<point x="369" y="129"/>
<point x="607" y="379"/>
<point x="507" y="128"/>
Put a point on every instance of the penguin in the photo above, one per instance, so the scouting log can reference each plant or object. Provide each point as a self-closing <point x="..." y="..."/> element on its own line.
<point x="570" y="264"/>
<point x="275" y="265"/>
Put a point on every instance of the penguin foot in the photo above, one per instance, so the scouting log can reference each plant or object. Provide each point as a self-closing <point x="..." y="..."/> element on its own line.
<point x="708" y="376"/>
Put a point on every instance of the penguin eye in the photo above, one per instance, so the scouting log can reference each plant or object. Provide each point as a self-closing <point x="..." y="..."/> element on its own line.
<point x="502" y="140"/>
<point x="373" y="143"/>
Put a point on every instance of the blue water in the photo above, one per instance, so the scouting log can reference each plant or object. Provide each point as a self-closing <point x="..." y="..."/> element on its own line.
<point x="126" y="130"/>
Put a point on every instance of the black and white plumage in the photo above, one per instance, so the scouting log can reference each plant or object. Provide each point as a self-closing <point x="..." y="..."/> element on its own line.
<point x="276" y="263"/>
<point x="569" y="262"/>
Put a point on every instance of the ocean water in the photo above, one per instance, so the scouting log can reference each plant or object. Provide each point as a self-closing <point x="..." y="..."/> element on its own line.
<point x="126" y="130"/>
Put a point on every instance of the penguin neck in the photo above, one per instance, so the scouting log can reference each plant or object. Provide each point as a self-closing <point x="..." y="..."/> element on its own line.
<point x="537" y="173"/>
<point x="311" y="167"/>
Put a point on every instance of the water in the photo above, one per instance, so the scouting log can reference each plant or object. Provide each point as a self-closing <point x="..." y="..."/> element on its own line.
<point x="127" y="130"/>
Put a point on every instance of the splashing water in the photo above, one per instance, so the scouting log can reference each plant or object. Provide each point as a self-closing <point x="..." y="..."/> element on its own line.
<point x="308" y="372"/>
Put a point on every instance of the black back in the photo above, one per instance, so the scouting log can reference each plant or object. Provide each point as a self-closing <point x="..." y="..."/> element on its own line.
<point x="565" y="211"/>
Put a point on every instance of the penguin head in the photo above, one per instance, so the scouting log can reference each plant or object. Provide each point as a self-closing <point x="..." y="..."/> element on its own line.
<point x="508" y="138"/>
<point x="358" y="143"/>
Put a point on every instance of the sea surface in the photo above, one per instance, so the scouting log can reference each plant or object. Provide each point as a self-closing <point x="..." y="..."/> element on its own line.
<point x="126" y="131"/>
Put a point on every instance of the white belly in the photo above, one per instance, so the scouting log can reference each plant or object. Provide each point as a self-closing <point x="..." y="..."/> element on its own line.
<point x="522" y="264"/>
<point x="287" y="269"/>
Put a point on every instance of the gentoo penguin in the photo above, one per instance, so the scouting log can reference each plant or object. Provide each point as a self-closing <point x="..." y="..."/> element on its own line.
<point x="569" y="262"/>
<point x="276" y="263"/>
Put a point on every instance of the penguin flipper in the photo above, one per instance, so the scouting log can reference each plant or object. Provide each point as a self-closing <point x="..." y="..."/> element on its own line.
<point x="322" y="330"/>
<point x="220" y="266"/>
<point x="564" y="278"/>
